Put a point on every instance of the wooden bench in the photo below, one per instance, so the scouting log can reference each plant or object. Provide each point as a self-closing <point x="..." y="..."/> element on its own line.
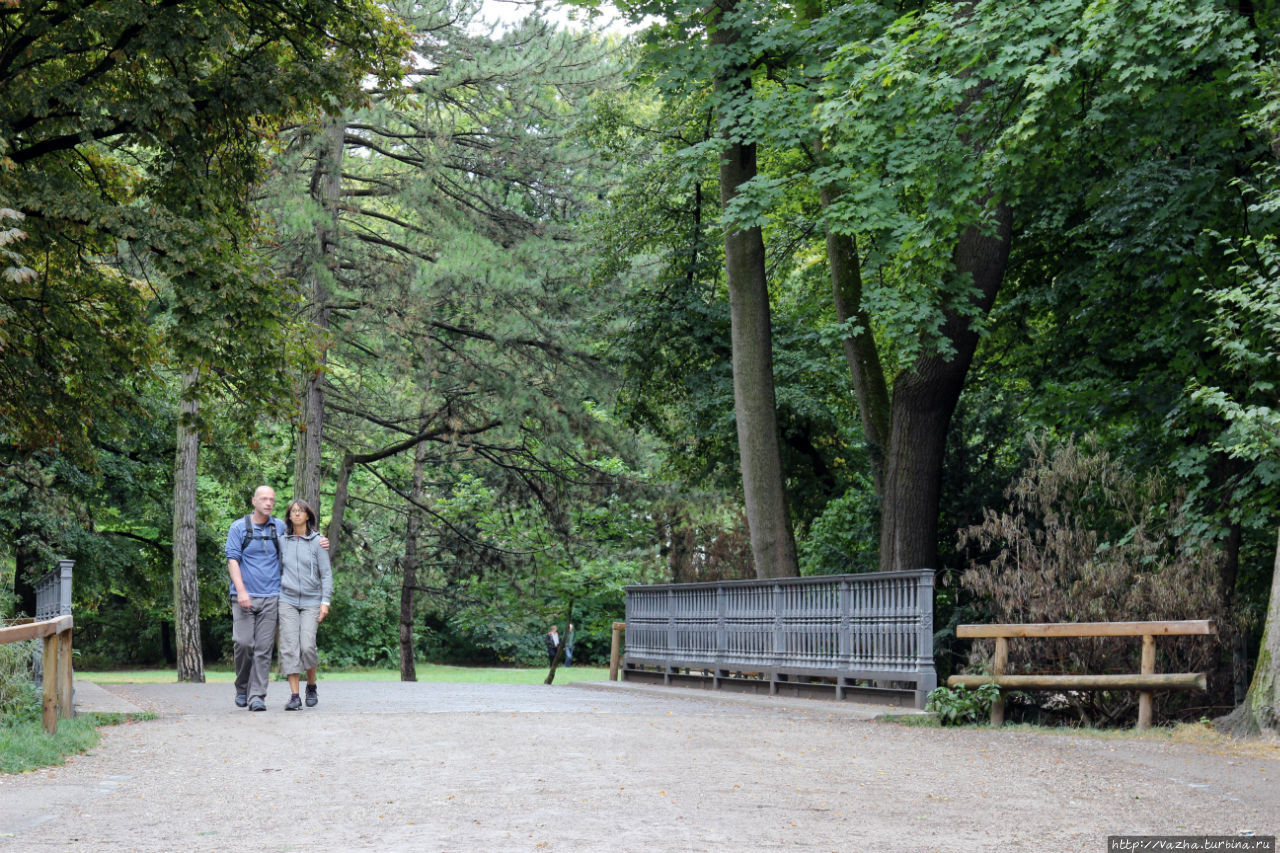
<point x="1146" y="682"/>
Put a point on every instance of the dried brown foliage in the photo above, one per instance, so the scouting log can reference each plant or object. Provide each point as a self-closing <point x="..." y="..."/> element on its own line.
<point x="707" y="549"/>
<point x="1086" y="540"/>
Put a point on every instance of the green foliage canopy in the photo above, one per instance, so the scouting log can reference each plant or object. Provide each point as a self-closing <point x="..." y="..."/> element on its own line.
<point x="140" y="124"/>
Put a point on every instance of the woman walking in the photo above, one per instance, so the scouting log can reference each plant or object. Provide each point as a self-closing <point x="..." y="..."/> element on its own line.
<point x="306" y="583"/>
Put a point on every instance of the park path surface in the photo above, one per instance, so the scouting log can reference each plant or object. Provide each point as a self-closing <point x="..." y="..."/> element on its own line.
<point x="472" y="767"/>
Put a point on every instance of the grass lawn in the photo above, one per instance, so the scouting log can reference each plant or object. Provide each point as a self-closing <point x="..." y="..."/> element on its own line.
<point x="426" y="672"/>
<point x="25" y="746"/>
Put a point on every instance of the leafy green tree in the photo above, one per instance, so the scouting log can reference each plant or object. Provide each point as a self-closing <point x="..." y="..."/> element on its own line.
<point x="1245" y="329"/>
<point x="895" y="111"/>
<point x="961" y="107"/>
<point x="140" y="125"/>
<point x="433" y="231"/>
<point x="107" y="103"/>
<point x="1130" y="164"/>
<point x="714" y="129"/>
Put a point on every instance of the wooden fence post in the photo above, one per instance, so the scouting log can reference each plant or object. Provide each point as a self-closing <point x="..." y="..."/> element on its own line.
<point x="998" y="664"/>
<point x="615" y="650"/>
<point x="49" y="706"/>
<point x="1148" y="667"/>
<point x="65" y="690"/>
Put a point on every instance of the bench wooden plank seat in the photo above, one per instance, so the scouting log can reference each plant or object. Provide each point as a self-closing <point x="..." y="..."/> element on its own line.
<point x="1158" y="681"/>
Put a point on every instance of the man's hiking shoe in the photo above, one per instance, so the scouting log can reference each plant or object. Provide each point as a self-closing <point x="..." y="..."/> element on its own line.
<point x="257" y="705"/>
<point x="241" y="700"/>
<point x="294" y="703"/>
<point x="312" y="698"/>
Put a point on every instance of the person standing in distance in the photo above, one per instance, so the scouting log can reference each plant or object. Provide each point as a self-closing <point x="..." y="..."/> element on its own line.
<point x="552" y="640"/>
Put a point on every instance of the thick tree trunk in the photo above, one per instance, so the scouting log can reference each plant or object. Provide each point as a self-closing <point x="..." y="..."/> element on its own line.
<point x="755" y="404"/>
<point x="860" y="352"/>
<point x="306" y="470"/>
<point x="412" y="560"/>
<point x="773" y="544"/>
<point x="1260" y="711"/>
<point x="924" y="398"/>
<point x="339" y="504"/>
<point x="922" y="409"/>
<point x="870" y="389"/>
<point x="326" y="189"/>
<point x="186" y="579"/>
<point x="1232" y="674"/>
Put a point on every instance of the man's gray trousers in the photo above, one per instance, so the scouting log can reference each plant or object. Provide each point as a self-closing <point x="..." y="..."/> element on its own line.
<point x="253" y="631"/>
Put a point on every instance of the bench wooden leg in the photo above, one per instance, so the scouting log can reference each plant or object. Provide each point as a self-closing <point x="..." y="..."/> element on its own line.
<point x="65" y="694"/>
<point x="1146" y="698"/>
<point x="615" y="649"/>
<point x="998" y="665"/>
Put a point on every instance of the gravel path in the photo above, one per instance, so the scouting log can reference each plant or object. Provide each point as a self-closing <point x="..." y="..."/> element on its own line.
<point x="455" y="767"/>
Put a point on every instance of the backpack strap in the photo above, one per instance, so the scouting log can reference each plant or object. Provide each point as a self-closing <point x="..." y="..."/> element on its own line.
<point x="275" y="538"/>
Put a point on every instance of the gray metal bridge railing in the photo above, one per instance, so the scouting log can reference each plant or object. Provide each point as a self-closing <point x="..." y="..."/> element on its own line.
<point x="869" y="635"/>
<point x="53" y="599"/>
<point x="53" y="592"/>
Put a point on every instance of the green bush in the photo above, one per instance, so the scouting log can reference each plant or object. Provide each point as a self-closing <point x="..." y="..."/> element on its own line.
<point x="19" y="699"/>
<point x="363" y="625"/>
<point x="500" y="643"/>
<point x="958" y="706"/>
<point x="844" y="538"/>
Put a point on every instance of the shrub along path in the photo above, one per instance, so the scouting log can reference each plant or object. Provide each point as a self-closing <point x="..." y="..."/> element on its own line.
<point x="480" y="767"/>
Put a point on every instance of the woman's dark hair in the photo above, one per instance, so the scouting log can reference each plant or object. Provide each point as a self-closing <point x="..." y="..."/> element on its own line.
<point x="312" y="525"/>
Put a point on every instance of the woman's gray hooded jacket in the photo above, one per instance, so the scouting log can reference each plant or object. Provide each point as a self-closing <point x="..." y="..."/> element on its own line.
<point x="305" y="577"/>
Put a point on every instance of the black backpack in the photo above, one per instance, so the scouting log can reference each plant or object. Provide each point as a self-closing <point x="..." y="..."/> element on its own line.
<point x="249" y="536"/>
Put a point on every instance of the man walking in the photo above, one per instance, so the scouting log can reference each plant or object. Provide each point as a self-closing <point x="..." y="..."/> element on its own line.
<point x="253" y="561"/>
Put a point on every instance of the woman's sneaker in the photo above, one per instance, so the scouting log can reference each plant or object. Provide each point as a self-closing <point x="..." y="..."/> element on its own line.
<point x="312" y="698"/>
